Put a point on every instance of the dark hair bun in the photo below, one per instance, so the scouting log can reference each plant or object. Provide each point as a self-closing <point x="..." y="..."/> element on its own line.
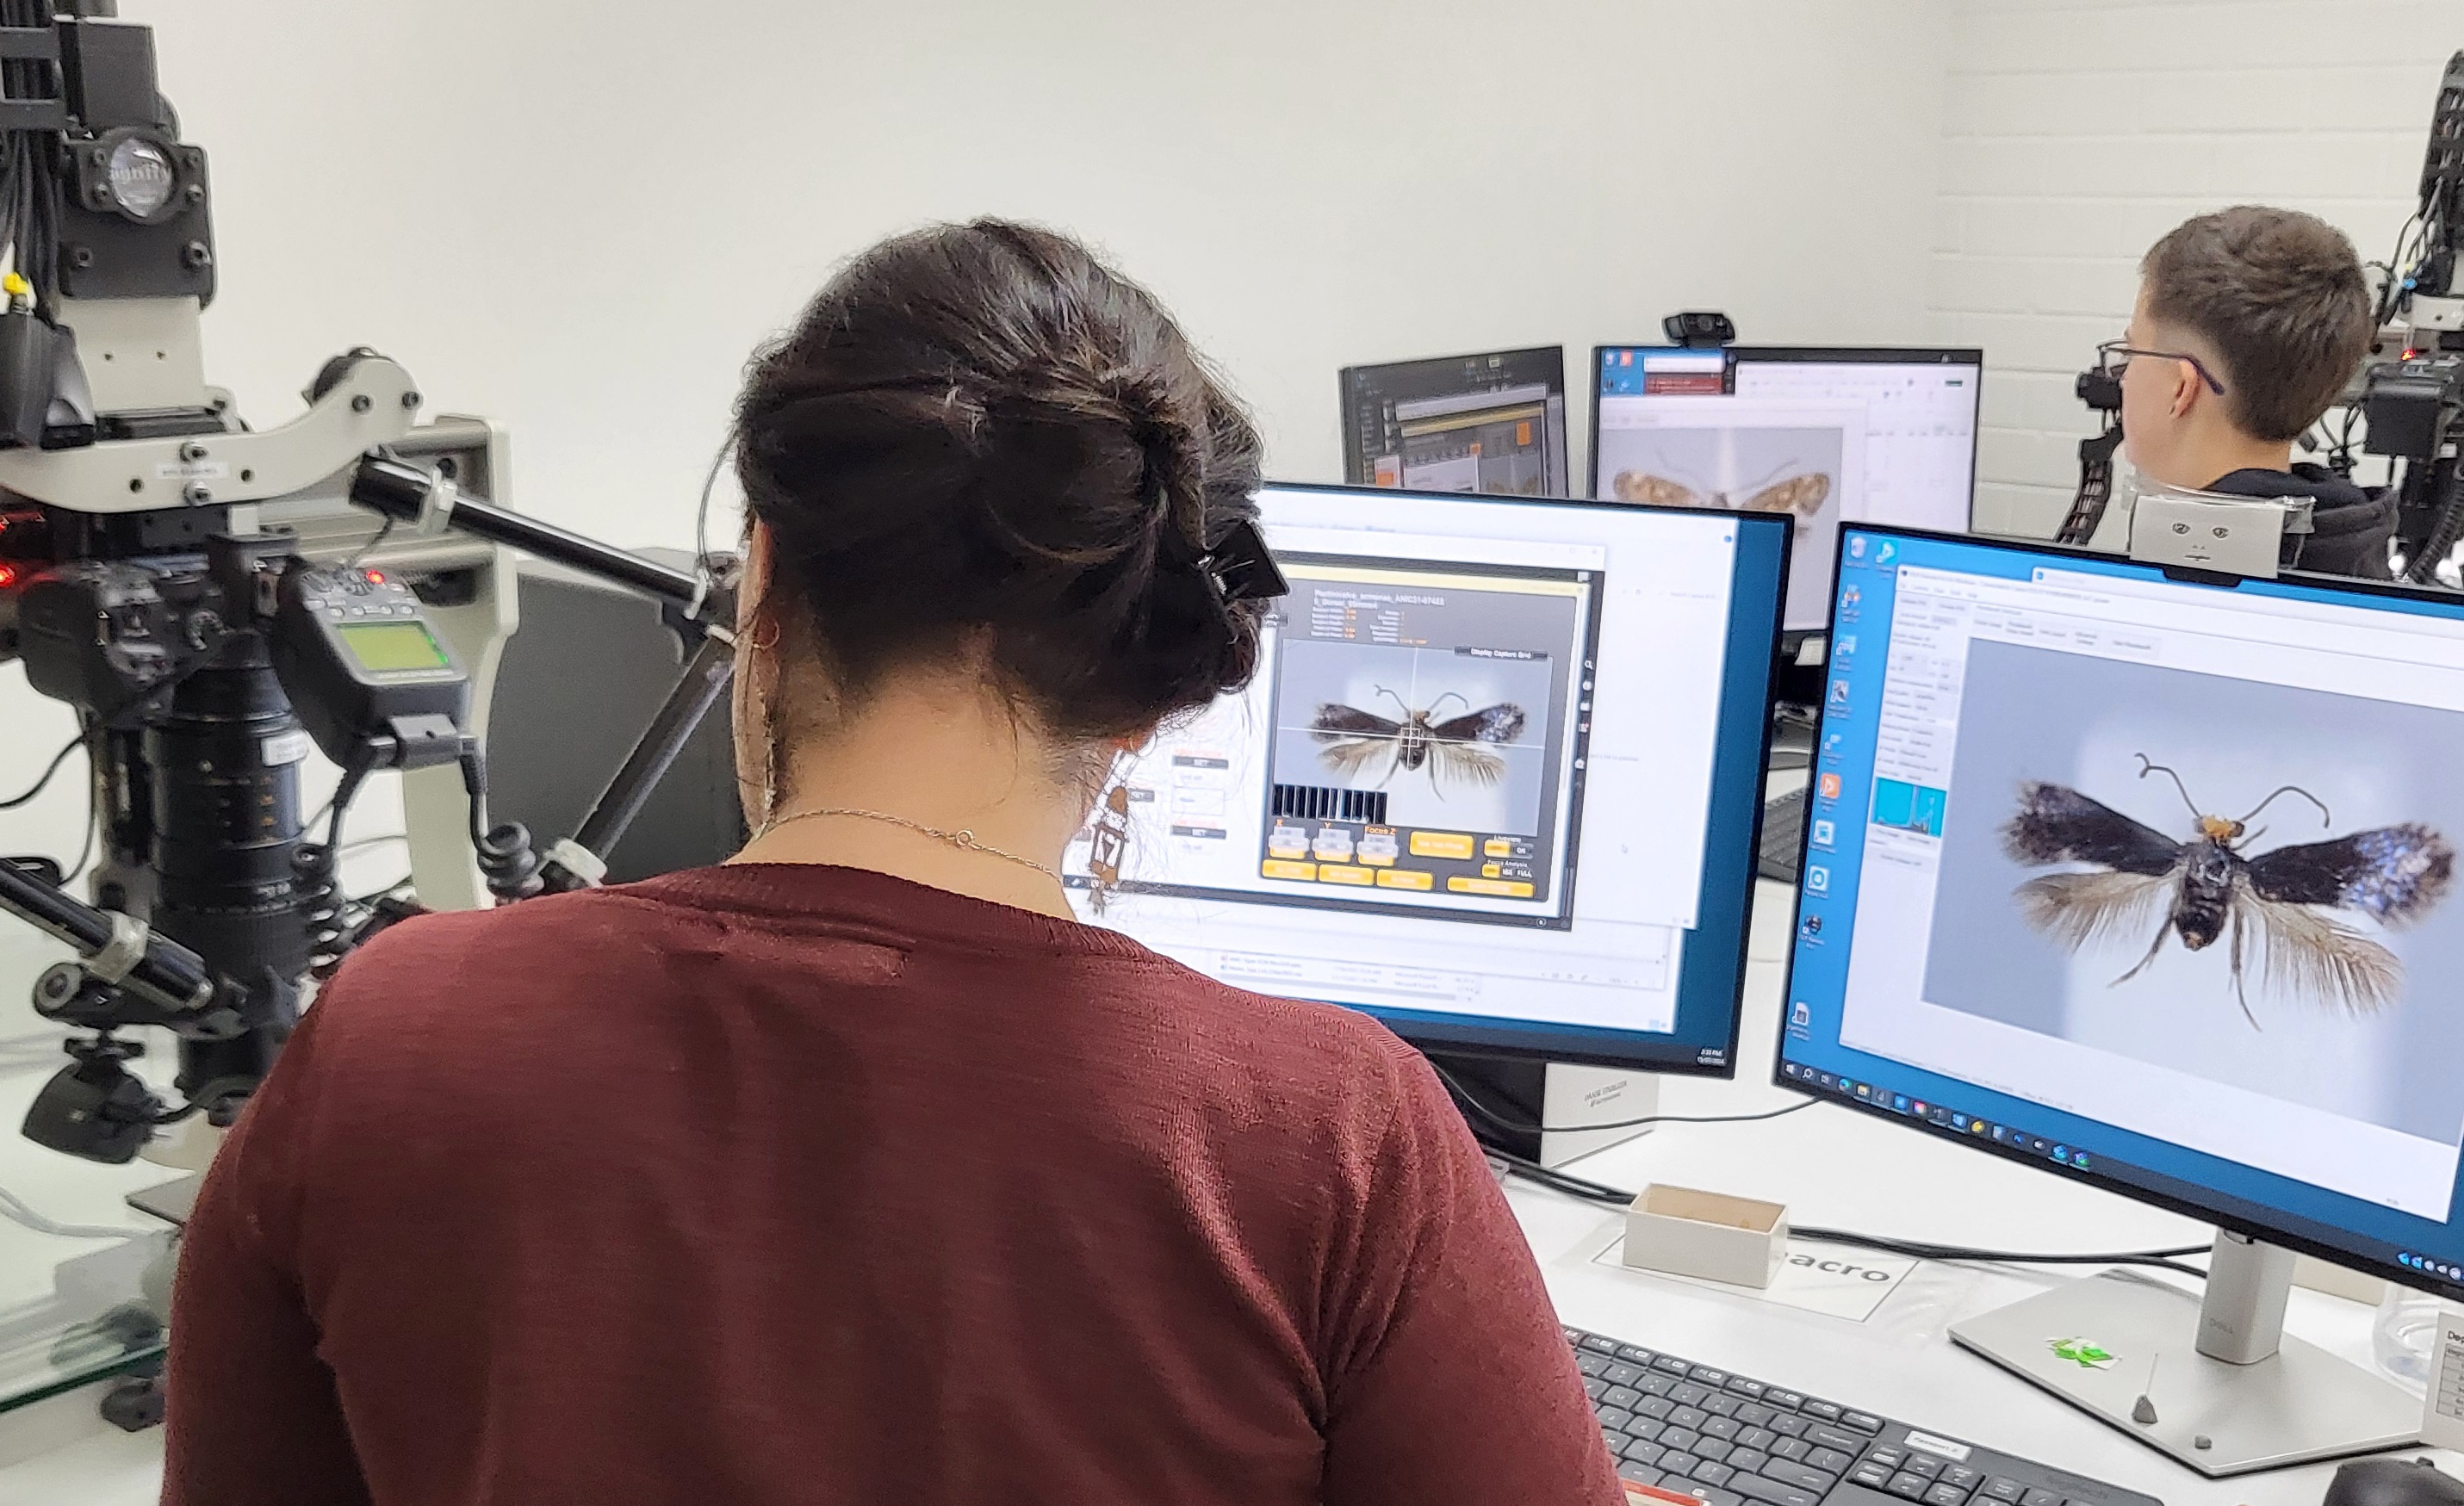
<point x="981" y="427"/>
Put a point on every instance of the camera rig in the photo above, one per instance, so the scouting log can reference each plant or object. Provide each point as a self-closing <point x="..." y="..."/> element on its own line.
<point x="2413" y="387"/>
<point x="2410" y="390"/>
<point x="215" y="601"/>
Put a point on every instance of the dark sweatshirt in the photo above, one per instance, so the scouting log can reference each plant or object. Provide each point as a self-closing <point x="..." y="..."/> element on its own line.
<point x="2350" y="527"/>
<point x="789" y="1184"/>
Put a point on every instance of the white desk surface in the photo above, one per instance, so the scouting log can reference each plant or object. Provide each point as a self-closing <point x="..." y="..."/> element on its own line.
<point x="1828" y="1165"/>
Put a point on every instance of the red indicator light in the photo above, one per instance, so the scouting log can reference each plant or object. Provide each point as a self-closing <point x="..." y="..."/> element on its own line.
<point x="376" y="578"/>
<point x="8" y="576"/>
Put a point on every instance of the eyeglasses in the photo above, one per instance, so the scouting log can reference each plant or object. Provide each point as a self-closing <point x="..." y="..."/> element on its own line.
<point x="2113" y="355"/>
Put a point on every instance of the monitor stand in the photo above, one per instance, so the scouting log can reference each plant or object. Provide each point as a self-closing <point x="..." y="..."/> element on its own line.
<point x="2229" y="1393"/>
<point x="1553" y="1093"/>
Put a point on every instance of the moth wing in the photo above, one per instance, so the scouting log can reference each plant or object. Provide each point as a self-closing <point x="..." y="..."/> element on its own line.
<point x="1466" y="763"/>
<point x="1803" y="495"/>
<point x="2392" y="874"/>
<point x="2319" y="957"/>
<point x="2056" y="823"/>
<point x="1348" y="756"/>
<point x="1336" y="721"/>
<point x="2080" y="908"/>
<point x="1641" y="486"/>
<point x="1501" y="723"/>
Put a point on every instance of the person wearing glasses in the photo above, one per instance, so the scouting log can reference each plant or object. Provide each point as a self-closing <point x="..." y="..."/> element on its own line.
<point x="2249" y="322"/>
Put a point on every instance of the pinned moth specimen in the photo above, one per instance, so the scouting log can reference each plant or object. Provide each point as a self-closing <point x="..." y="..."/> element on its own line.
<point x="1353" y="740"/>
<point x="2292" y="904"/>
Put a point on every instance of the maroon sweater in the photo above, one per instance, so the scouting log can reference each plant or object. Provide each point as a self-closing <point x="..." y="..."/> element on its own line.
<point x="773" y="1184"/>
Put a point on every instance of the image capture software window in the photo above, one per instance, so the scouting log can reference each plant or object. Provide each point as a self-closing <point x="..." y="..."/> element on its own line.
<point x="2148" y="876"/>
<point x="1824" y="442"/>
<point x="1473" y="777"/>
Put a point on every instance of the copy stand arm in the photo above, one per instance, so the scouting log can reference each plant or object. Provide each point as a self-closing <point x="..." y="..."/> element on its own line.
<point x="700" y="609"/>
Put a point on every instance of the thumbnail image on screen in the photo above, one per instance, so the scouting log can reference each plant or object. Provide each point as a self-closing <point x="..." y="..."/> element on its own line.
<point x="1492" y="424"/>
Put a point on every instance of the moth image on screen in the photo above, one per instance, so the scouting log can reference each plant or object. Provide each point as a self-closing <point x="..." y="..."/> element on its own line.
<point x="2291" y="908"/>
<point x="1421" y="744"/>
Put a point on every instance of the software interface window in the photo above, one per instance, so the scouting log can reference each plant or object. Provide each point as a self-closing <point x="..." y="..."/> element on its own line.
<point x="1491" y="424"/>
<point x="1473" y="774"/>
<point x="2169" y="861"/>
<point x="1822" y="440"/>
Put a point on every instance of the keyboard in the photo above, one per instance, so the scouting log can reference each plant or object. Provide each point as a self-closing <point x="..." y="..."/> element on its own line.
<point x="1690" y="1430"/>
<point x="1783" y="836"/>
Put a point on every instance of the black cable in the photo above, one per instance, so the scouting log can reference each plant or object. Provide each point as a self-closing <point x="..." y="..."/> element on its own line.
<point x="1600" y="1193"/>
<point x="1464" y="1095"/>
<point x="53" y="768"/>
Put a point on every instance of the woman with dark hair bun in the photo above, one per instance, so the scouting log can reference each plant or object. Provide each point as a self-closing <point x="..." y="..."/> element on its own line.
<point x="856" y="1170"/>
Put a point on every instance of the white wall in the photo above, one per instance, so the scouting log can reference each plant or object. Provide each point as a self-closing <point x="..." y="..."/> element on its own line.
<point x="579" y="217"/>
<point x="2076" y="132"/>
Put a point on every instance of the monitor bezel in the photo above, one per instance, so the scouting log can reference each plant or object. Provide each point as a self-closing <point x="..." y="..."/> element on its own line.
<point x="1678" y="1061"/>
<point x="2188" y="1207"/>
<point x="1356" y="462"/>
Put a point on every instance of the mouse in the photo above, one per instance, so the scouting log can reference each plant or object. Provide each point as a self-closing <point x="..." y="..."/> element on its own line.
<point x="2393" y="1483"/>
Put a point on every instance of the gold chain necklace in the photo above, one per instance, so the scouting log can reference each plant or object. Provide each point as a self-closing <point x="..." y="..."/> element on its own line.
<point x="962" y="839"/>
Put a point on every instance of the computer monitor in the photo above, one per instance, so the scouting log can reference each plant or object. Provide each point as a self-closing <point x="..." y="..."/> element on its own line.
<point x="1823" y="435"/>
<point x="2148" y="882"/>
<point x="1493" y="423"/>
<point x="1495" y="782"/>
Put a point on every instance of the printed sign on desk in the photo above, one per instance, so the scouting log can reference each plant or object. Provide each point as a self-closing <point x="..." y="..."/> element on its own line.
<point x="1816" y="1278"/>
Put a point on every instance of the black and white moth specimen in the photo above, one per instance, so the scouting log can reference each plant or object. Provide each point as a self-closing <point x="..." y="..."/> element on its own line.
<point x="1351" y="740"/>
<point x="2285" y="901"/>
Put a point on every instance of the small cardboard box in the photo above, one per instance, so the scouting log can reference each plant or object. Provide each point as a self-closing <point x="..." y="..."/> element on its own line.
<point x="1720" y="1238"/>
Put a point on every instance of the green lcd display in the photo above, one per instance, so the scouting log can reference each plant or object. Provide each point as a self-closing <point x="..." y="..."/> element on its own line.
<point x="383" y="646"/>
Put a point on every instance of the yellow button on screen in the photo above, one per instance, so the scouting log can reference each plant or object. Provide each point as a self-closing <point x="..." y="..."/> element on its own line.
<point x="1440" y="844"/>
<point x="1403" y="878"/>
<point x="1276" y="868"/>
<point x="1491" y="870"/>
<point x="1498" y="847"/>
<point x="1344" y="873"/>
<point x="1507" y="888"/>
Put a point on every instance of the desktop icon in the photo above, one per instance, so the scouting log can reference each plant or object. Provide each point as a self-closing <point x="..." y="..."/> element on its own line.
<point x="1997" y="1134"/>
<point x="1828" y="1081"/>
<point x="1886" y="554"/>
<point x="1812" y="928"/>
<point x="1831" y="746"/>
<point x="1818" y="879"/>
<point x="1802" y="1017"/>
<point x="2063" y="1154"/>
<point x="1856" y="548"/>
<point x="1845" y="649"/>
<point x="1900" y="1101"/>
<point x="2078" y="1159"/>
<point x="1920" y="1108"/>
<point x="1828" y="785"/>
<point x="1838" y="692"/>
<point x="1849" y="597"/>
<point x="1864" y="1090"/>
<point x="1823" y="833"/>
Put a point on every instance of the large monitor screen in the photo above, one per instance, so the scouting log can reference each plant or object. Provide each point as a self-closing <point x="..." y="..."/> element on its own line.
<point x="1492" y="424"/>
<point x="2147" y="880"/>
<point x="1496" y="782"/>
<point x="1822" y="436"/>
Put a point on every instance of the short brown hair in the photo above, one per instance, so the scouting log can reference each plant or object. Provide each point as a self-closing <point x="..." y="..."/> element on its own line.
<point x="2280" y="296"/>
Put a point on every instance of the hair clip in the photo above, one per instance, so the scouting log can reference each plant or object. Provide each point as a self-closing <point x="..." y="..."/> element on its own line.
<point x="1240" y="567"/>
